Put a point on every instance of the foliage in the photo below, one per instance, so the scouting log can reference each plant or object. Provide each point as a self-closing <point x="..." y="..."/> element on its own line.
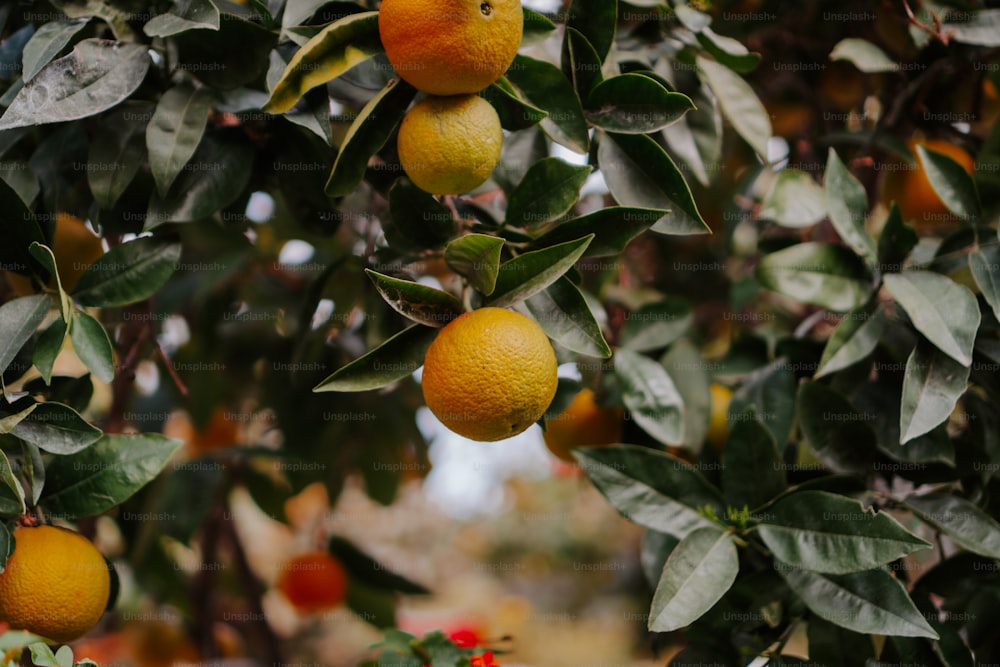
<point x="863" y="356"/>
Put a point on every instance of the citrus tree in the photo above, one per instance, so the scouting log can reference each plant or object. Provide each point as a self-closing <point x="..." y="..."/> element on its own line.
<point x="771" y="230"/>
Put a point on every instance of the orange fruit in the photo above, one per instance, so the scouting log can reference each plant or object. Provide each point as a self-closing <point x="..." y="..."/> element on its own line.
<point x="489" y="374"/>
<point x="718" y="418"/>
<point x="221" y="432"/>
<point x="56" y="584"/>
<point x="585" y="423"/>
<point x="450" y="145"/>
<point x="75" y="249"/>
<point x="313" y="582"/>
<point x="449" y="47"/>
<point x="910" y="188"/>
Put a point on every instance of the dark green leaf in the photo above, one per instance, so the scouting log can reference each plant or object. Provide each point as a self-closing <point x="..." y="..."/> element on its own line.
<point x="175" y="131"/>
<point x="580" y="63"/>
<point x="596" y="20"/>
<point x="651" y="488"/>
<point x="855" y="337"/>
<point x="635" y="104"/>
<point x="515" y="114"/>
<point x="967" y="524"/>
<point x="117" y="151"/>
<point x="771" y="392"/>
<point x="739" y="104"/>
<point x="833" y="646"/>
<point x="367" y="135"/>
<point x="650" y="396"/>
<point x="848" y="205"/>
<point x="656" y="325"/>
<point x="697" y="138"/>
<point x="835" y="430"/>
<point x="197" y="14"/>
<point x="537" y="26"/>
<point x="951" y="182"/>
<point x="96" y="76"/>
<point x="932" y="385"/>
<point x="48" y="346"/>
<point x="613" y="227"/>
<point x="394" y="359"/>
<point x="236" y="55"/>
<point x="128" y="273"/>
<point x="826" y="532"/>
<point x="477" y="257"/>
<point x="728" y="51"/>
<point x="331" y="52"/>
<point x="985" y="266"/>
<point x="57" y="429"/>
<point x="544" y="86"/>
<point x="697" y="574"/>
<point x="795" y="200"/>
<point x="417" y="221"/>
<point x="946" y="313"/>
<point x="105" y="475"/>
<point x="46" y="44"/>
<point x="868" y="602"/>
<point x="92" y="345"/>
<point x="896" y="241"/>
<point x="562" y="312"/>
<point x="753" y="471"/>
<point x="821" y="274"/>
<point x="420" y="303"/>
<point x="655" y="550"/>
<point x="44" y="256"/>
<point x="18" y="320"/>
<point x="689" y="372"/>
<point x="13" y="502"/>
<point x="531" y="272"/>
<point x="549" y="189"/>
<point x="640" y="173"/>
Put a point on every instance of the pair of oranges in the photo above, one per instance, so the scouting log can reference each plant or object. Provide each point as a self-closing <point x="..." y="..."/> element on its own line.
<point x="450" y="141"/>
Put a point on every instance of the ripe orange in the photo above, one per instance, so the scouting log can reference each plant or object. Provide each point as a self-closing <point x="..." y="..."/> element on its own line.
<point x="56" y="584"/>
<point x="313" y="582"/>
<point x="910" y="188"/>
<point x="489" y="374"/>
<point x="718" y="419"/>
<point x="450" y="145"/>
<point x="584" y="423"/>
<point x="449" y="47"/>
<point x="75" y="249"/>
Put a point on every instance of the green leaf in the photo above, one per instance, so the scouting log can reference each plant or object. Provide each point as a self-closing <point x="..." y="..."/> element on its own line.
<point x="896" y="241"/>
<point x="951" y="182"/>
<point x="771" y="392"/>
<point x="932" y="385"/>
<point x="942" y="310"/>
<point x="57" y="429"/>
<point x="420" y="303"/>
<point x="986" y="272"/>
<point x="580" y="63"/>
<point x="12" y="503"/>
<point x="864" y="55"/>
<point x="117" y="151"/>
<point x="856" y="336"/>
<point x="980" y="27"/>
<point x="752" y="468"/>
<point x="175" y="131"/>
<point x="656" y="325"/>
<point x="549" y="189"/>
<point x="48" y="346"/>
<point x="650" y="396"/>
<point x="833" y="646"/>
<point x="635" y="104"/>
<point x="394" y="359"/>
<point x="640" y="173"/>
<point x="596" y="20"/>
<point x="367" y="135"/>
<point x="739" y="104"/>
<point x="117" y="19"/>
<point x="477" y="257"/>
<point x="46" y="44"/>
<point x="92" y="345"/>
<point x="613" y="227"/>
<point x="329" y="54"/>
<point x="964" y="522"/>
<point x="531" y="272"/>
<point x="42" y="655"/>
<point x="95" y="76"/>
<point x="417" y="220"/>
<point x="218" y="172"/>
<point x="821" y="274"/>
<point x="871" y="602"/>
<point x="515" y="114"/>
<point x="544" y="86"/>
<point x="728" y="51"/>
<point x="699" y="571"/>
<point x="18" y="320"/>
<point x="697" y="138"/>
<point x="653" y="554"/>
<point x="848" y="205"/>
<point x="9" y="422"/>
<point x="43" y="254"/>
<point x="562" y="312"/>
<point x="362" y="566"/>
<point x="34" y="471"/>
<point x="106" y="474"/>
<point x="689" y="372"/>
<point x="128" y="273"/>
<point x="537" y="27"/>
<point x="795" y="200"/>
<point x="236" y="55"/>
<point x="651" y="488"/>
<point x="825" y="532"/>
<point x="197" y="14"/>
<point x="836" y="431"/>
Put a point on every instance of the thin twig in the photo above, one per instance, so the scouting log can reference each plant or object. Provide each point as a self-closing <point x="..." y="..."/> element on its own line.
<point x="181" y="387"/>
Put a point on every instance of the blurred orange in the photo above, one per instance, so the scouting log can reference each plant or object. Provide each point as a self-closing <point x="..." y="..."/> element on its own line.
<point x="910" y="188"/>
<point x="75" y="249"/>
<point x="221" y="432"/>
<point x="585" y="423"/>
<point x="718" y="420"/>
<point x="313" y="582"/>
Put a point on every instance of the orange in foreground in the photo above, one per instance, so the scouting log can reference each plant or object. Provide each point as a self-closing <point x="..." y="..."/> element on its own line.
<point x="313" y="582"/>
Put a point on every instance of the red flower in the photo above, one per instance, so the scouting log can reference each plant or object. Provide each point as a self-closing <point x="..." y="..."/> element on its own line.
<point x="484" y="660"/>
<point x="464" y="638"/>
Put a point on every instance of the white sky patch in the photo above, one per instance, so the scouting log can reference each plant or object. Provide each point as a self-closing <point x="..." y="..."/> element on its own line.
<point x="296" y="252"/>
<point x="260" y="207"/>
